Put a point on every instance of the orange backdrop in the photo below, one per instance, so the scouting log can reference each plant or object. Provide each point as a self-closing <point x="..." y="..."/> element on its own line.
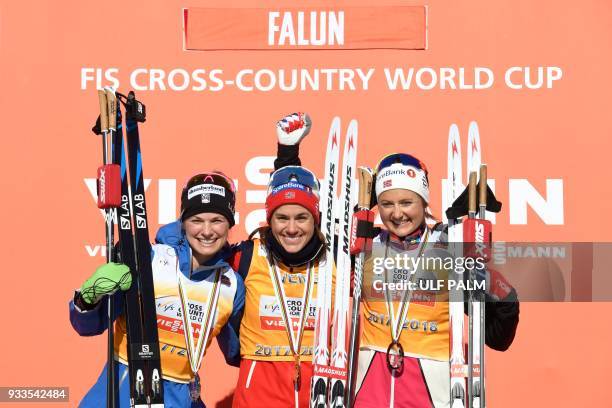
<point x="560" y="355"/>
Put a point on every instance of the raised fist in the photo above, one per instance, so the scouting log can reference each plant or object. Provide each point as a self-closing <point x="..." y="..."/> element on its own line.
<point x="291" y="129"/>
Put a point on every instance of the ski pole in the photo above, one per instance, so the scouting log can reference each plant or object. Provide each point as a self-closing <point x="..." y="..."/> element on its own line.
<point x="363" y="203"/>
<point x="481" y="215"/>
<point x="111" y="399"/>
<point x="470" y="295"/>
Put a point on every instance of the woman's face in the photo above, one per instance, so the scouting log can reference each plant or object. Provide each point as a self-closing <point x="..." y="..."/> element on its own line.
<point x="207" y="234"/>
<point x="293" y="226"/>
<point x="402" y="211"/>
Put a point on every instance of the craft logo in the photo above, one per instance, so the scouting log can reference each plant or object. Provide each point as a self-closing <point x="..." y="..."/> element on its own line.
<point x="205" y="198"/>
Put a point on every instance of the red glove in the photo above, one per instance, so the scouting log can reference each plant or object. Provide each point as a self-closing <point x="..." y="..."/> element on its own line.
<point x="362" y="231"/>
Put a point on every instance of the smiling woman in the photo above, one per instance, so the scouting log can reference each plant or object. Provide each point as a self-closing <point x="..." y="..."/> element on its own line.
<point x="206" y="234"/>
<point x="279" y="268"/>
<point x="292" y="226"/>
<point x="404" y="358"/>
<point x="292" y="207"/>
<point x="198" y="295"/>
<point x="207" y="214"/>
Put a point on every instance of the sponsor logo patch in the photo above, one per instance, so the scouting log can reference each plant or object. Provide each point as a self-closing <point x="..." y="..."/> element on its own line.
<point x="202" y="189"/>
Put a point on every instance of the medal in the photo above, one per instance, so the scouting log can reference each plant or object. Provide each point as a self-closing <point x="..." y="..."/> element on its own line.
<point x="395" y="351"/>
<point x="395" y="356"/>
<point x="195" y="388"/>
<point x="297" y="375"/>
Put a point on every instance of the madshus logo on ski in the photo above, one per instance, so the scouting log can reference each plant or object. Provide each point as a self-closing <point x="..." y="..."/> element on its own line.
<point x="329" y="378"/>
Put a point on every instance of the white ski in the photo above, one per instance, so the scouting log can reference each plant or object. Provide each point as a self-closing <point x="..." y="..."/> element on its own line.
<point x="319" y="382"/>
<point x="458" y="368"/>
<point x="339" y="358"/>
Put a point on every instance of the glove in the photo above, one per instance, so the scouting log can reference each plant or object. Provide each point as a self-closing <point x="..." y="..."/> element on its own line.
<point x="497" y="287"/>
<point x="363" y="231"/>
<point x="105" y="281"/>
<point x="291" y="129"/>
<point x="460" y="207"/>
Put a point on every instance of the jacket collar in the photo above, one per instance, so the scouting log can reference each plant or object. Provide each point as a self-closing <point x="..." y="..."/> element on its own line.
<point x="173" y="235"/>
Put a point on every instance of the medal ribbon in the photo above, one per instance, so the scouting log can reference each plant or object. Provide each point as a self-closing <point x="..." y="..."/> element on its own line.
<point x="279" y="290"/>
<point x="196" y="352"/>
<point x="397" y="324"/>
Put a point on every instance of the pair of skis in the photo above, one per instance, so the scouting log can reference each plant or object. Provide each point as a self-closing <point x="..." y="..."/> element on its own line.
<point x="115" y="190"/>
<point x="460" y="234"/>
<point x="329" y="381"/>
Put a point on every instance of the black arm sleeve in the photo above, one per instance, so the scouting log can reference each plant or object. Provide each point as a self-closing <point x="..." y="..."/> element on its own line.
<point x="287" y="156"/>
<point x="501" y="319"/>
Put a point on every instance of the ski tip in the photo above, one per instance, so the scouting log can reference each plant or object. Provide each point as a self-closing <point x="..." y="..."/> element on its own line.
<point x="334" y="134"/>
<point x="473" y="127"/>
<point x="453" y="132"/>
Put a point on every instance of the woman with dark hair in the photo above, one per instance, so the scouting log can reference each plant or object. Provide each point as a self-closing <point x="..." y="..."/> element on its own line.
<point x="279" y="268"/>
<point x="190" y="273"/>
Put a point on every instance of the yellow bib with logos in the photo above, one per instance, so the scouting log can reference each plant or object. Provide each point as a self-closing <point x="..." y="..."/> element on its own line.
<point x="425" y="331"/>
<point x="263" y="335"/>
<point x="173" y="352"/>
